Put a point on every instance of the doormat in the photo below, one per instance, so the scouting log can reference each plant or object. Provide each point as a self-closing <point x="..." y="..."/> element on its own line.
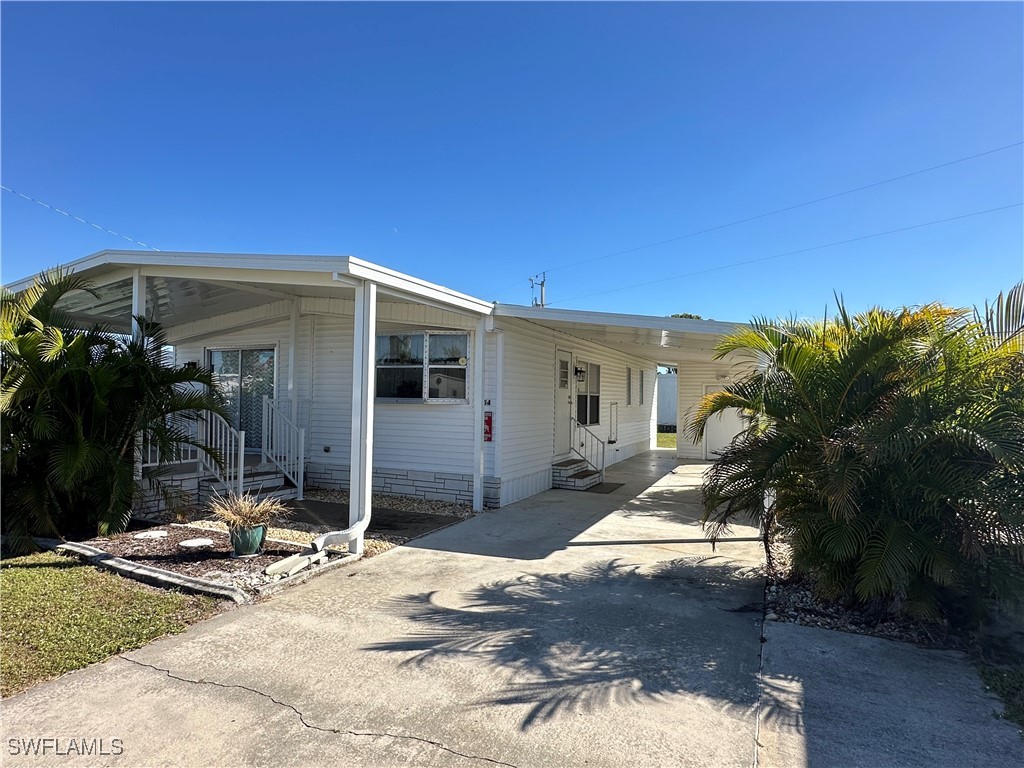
<point x="604" y="487"/>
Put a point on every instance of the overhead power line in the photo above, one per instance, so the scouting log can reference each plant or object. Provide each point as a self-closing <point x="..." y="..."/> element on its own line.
<point x="777" y="211"/>
<point x="77" y="218"/>
<point x="721" y="267"/>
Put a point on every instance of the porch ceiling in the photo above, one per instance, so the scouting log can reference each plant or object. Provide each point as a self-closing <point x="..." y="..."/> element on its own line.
<point x="661" y="340"/>
<point x="185" y="287"/>
<point x="169" y="300"/>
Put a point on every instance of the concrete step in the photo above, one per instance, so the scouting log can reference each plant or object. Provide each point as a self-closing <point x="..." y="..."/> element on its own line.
<point x="561" y="470"/>
<point x="263" y="484"/>
<point x="579" y="481"/>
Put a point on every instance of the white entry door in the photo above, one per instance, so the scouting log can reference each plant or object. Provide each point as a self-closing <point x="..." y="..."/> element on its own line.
<point x="720" y="429"/>
<point x="563" y="400"/>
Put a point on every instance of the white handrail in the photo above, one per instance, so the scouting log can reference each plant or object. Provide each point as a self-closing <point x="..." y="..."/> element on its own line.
<point x="588" y="446"/>
<point x="183" y="452"/>
<point x="284" y="444"/>
<point x="227" y="443"/>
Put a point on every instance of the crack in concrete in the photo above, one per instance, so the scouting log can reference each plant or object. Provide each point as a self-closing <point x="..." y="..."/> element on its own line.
<point x="313" y="726"/>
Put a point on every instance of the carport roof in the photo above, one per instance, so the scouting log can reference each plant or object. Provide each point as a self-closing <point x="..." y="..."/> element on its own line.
<point x="184" y="286"/>
<point x="660" y="339"/>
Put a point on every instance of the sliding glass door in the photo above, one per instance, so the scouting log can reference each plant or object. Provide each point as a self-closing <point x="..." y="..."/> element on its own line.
<point x="244" y="376"/>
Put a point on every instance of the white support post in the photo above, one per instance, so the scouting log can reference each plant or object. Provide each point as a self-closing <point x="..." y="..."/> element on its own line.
<point x="265" y="442"/>
<point x="301" y="470"/>
<point x="681" y="412"/>
<point x="138" y="300"/>
<point x="138" y="308"/>
<point x="241" y="462"/>
<point x="293" y="343"/>
<point x="361" y="461"/>
<point x="478" y="414"/>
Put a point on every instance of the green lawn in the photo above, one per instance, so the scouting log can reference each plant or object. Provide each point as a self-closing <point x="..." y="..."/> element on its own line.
<point x="1008" y="682"/>
<point x="57" y="615"/>
<point x="666" y="439"/>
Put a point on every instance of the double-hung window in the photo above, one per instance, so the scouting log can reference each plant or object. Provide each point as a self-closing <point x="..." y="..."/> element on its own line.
<point x="629" y="386"/>
<point x="588" y="394"/>
<point x="422" y="367"/>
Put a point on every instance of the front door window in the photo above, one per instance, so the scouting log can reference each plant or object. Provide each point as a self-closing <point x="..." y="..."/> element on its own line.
<point x="244" y="376"/>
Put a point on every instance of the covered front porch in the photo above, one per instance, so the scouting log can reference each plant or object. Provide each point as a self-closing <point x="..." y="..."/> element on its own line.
<point x="293" y="342"/>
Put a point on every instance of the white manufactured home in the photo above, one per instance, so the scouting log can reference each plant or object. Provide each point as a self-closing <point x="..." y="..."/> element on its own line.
<point x="339" y="372"/>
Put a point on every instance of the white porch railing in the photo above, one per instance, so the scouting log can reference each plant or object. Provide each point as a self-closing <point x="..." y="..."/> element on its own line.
<point x="229" y="444"/>
<point x="284" y="444"/>
<point x="587" y="446"/>
<point x="183" y="453"/>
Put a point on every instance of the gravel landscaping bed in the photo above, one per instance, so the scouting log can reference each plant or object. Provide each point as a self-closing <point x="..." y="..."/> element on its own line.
<point x="790" y="598"/>
<point x="303" y="533"/>
<point x="288" y="529"/>
<point x="212" y="562"/>
<point x="402" y="503"/>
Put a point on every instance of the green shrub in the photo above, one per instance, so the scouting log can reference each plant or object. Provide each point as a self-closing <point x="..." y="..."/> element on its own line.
<point x="76" y="404"/>
<point x="890" y="448"/>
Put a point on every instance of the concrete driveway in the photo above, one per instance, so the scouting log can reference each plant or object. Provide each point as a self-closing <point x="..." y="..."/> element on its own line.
<point x="570" y="629"/>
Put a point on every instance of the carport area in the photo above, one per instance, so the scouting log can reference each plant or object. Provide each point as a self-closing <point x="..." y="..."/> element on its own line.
<point x="568" y="629"/>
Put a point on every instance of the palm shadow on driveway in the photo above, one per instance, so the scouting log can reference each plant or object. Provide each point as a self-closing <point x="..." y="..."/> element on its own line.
<point x="607" y="634"/>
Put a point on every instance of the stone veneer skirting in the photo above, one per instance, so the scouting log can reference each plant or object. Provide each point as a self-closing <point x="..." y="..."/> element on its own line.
<point x="433" y="486"/>
<point x="184" y="487"/>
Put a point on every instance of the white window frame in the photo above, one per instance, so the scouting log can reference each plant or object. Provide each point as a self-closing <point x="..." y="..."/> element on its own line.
<point x="426" y="365"/>
<point x="629" y="385"/>
<point x="583" y="389"/>
<point x="641" y="387"/>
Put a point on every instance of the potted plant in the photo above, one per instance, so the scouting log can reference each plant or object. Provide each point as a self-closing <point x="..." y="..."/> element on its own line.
<point x="247" y="517"/>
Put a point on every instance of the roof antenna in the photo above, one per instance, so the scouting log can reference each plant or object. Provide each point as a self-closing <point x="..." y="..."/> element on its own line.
<point x="542" y="282"/>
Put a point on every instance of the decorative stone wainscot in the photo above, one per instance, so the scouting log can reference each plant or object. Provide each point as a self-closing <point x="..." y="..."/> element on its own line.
<point x="183" y="486"/>
<point x="432" y="486"/>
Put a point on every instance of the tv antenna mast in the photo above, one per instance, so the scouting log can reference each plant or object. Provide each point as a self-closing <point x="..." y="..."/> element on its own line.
<point x="542" y="281"/>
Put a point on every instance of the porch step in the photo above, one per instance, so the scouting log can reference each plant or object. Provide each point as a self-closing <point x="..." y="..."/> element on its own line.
<point x="263" y="484"/>
<point x="580" y="481"/>
<point x="561" y="470"/>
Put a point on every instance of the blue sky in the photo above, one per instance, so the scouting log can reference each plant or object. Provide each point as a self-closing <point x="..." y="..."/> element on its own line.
<point x="477" y="144"/>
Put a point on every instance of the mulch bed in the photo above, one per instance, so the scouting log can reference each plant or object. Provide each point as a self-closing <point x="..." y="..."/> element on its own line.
<point x="212" y="562"/>
<point x="790" y="599"/>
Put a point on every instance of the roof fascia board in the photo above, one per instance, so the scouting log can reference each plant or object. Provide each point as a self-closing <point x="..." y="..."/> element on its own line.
<point x="585" y="317"/>
<point x="428" y="302"/>
<point x="415" y="288"/>
<point x="177" y="260"/>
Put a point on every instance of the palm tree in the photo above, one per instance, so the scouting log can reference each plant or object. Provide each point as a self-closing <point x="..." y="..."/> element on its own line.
<point x="887" y="448"/>
<point x="78" y="404"/>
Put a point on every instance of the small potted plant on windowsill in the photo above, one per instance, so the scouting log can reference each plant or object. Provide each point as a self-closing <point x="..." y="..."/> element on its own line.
<point x="247" y="518"/>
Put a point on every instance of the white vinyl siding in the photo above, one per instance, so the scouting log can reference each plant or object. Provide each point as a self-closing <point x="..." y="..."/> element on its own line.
<point x="527" y="444"/>
<point x="434" y="437"/>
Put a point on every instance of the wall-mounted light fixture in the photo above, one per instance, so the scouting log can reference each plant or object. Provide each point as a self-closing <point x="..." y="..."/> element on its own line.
<point x="581" y="373"/>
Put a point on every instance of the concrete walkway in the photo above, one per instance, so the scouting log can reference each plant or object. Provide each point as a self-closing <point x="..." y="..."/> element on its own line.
<point x="569" y="629"/>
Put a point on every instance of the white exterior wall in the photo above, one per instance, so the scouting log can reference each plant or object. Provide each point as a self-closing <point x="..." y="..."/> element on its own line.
<point x="407" y="436"/>
<point x="692" y="379"/>
<point x="528" y="402"/>
<point x="276" y="334"/>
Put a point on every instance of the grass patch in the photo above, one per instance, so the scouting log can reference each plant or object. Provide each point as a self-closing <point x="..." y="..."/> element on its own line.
<point x="58" y="614"/>
<point x="1008" y="682"/>
<point x="666" y="439"/>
